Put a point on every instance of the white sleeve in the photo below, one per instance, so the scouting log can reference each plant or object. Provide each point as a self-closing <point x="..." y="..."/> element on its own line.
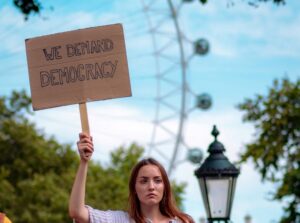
<point x="99" y="216"/>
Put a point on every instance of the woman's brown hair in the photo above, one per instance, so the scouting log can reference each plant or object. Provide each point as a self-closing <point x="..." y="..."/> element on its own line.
<point x="167" y="205"/>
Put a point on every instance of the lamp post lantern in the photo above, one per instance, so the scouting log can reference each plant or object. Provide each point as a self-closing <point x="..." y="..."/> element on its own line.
<point x="217" y="178"/>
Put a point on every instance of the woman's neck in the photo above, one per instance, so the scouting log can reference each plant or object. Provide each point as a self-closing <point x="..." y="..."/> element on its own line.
<point x="153" y="214"/>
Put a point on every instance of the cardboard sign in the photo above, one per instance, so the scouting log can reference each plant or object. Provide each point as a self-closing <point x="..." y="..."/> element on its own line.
<point x="78" y="66"/>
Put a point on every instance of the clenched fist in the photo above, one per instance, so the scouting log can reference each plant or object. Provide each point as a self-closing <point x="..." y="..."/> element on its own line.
<point x="85" y="146"/>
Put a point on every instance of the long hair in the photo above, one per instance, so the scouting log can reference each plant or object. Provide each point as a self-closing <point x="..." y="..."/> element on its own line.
<point x="167" y="205"/>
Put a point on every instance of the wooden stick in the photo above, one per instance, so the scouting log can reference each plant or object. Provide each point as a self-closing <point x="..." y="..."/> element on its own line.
<point x="84" y="118"/>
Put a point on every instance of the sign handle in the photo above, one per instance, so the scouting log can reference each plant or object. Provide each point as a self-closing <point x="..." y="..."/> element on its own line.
<point x="84" y="118"/>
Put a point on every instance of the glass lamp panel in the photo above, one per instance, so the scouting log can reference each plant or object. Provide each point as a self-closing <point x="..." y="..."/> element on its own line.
<point x="204" y="195"/>
<point x="218" y="191"/>
<point x="231" y="194"/>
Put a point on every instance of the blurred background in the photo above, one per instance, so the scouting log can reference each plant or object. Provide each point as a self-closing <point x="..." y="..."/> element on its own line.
<point x="192" y="64"/>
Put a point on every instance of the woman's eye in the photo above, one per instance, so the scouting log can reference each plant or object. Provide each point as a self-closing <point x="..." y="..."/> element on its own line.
<point x="158" y="180"/>
<point x="143" y="181"/>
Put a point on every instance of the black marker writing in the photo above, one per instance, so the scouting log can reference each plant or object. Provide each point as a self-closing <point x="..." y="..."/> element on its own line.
<point x="80" y="72"/>
<point x="53" y="54"/>
<point x="89" y="47"/>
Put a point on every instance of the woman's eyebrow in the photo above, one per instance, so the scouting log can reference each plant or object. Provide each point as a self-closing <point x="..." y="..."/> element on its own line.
<point x="146" y="177"/>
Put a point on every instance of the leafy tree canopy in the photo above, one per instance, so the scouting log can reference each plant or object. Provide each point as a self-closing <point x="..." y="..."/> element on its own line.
<point x="275" y="150"/>
<point x="37" y="173"/>
<point x="28" y="7"/>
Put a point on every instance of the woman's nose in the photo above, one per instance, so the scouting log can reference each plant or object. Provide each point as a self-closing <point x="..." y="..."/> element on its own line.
<point x="151" y="184"/>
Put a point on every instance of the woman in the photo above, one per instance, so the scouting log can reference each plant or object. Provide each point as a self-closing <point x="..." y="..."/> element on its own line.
<point x="150" y="196"/>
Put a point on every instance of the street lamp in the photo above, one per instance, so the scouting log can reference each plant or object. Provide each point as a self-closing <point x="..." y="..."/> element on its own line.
<point x="217" y="178"/>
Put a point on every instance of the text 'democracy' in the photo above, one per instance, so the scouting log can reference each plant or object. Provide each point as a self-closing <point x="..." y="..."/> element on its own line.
<point x="78" y="66"/>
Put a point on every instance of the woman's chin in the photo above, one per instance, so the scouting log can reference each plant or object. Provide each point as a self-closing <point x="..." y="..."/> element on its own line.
<point x="151" y="202"/>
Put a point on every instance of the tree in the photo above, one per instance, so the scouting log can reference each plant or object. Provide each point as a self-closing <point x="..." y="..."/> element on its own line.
<point x="28" y="7"/>
<point x="255" y="2"/>
<point x="37" y="173"/>
<point x="275" y="150"/>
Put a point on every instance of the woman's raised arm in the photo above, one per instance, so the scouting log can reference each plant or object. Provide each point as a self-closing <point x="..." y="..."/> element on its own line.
<point x="77" y="209"/>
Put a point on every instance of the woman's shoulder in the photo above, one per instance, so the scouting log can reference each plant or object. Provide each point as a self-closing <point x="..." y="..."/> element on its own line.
<point x="97" y="215"/>
<point x="178" y="220"/>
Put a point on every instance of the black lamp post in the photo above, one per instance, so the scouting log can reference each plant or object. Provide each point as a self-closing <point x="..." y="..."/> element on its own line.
<point x="217" y="178"/>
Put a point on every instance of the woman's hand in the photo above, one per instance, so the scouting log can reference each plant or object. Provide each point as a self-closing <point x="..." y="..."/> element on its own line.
<point x="85" y="147"/>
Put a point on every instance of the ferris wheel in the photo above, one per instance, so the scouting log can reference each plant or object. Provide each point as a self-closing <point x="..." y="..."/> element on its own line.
<point x="174" y="100"/>
<point x="173" y="94"/>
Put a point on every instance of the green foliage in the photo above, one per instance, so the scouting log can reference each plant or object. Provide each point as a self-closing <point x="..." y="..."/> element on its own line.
<point x="111" y="185"/>
<point x="36" y="173"/>
<point x="108" y="188"/>
<point x="255" y="3"/>
<point x="276" y="147"/>
<point x="203" y="1"/>
<point x="27" y="7"/>
<point x="252" y="2"/>
<point x="178" y="191"/>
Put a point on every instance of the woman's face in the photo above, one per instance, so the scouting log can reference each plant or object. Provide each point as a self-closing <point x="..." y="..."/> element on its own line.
<point x="149" y="185"/>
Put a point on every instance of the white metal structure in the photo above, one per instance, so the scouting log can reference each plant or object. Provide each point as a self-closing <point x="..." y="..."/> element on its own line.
<point x="167" y="140"/>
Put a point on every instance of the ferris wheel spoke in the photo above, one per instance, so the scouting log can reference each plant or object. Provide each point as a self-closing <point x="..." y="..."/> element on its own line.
<point x="171" y="82"/>
<point x="158" y="11"/>
<point x="169" y="69"/>
<point x="170" y="73"/>
<point x="166" y="34"/>
<point x="159" y="24"/>
<point x="166" y="130"/>
<point x="167" y="118"/>
<point x="168" y="57"/>
<point x="165" y="46"/>
<point x="166" y="104"/>
<point x="170" y="93"/>
<point x="150" y="4"/>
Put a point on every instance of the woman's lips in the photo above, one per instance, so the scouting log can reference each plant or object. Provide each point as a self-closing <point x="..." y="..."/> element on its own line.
<point x="151" y="195"/>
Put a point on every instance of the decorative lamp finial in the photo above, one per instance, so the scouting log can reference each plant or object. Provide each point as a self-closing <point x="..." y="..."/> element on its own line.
<point x="215" y="132"/>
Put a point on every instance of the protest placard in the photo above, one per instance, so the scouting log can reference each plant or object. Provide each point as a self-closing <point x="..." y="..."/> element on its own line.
<point x="78" y="66"/>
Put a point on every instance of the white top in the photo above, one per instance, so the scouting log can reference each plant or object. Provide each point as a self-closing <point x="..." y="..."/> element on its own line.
<point x="99" y="216"/>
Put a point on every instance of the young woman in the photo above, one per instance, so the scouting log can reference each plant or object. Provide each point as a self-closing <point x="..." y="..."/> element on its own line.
<point x="150" y="195"/>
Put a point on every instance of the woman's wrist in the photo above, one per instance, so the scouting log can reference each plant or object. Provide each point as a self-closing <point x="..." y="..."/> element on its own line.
<point x="84" y="162"/>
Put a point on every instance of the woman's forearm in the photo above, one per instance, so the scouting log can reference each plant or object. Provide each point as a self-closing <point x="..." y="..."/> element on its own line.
<point x="77" y="209"/>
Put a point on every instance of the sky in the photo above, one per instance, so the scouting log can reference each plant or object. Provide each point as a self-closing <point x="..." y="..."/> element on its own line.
<point x="249" y="47"/>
